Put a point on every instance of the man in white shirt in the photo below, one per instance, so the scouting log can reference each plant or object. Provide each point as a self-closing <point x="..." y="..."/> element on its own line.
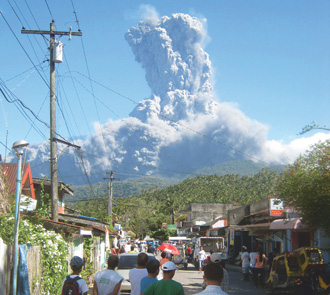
<point x="245" y="263"/>
<point x="213" y="276"/>
<point x="108" y="281"/>
<point x="201" y="258"/>
<point x="137" y="274"/>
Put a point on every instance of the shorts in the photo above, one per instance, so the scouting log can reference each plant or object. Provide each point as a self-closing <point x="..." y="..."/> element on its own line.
<point x="201" y="263"/>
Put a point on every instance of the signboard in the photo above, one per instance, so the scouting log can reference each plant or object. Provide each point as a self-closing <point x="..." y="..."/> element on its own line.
<point x="171" y="226"/>
<point x="117" y="226"/>
<point x="276" y="207"/>
<point x="165" y="225"/>
<point x="231" y="236"/>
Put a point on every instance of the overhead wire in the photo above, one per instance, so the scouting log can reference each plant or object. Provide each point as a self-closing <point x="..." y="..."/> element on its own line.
<point x="178" y="123"/>
<point x="50" y="12"/>
<point x="78" y="99"/>
<point x="130" y="126"/>
<point x="21" y="108"/>
<point x="18" y="7"/>
<point x="28" y="56"/>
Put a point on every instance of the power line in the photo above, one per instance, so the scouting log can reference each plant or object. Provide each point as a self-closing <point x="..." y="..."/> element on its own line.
<point x="50" y="12"/>
<point x="178" y="123"/>
<point x="24" y="49"/>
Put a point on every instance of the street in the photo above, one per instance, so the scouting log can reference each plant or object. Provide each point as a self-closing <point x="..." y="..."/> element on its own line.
<point x="192" y="282"/>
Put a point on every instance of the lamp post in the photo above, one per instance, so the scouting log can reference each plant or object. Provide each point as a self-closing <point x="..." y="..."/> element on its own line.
<point x="18" y="147"/>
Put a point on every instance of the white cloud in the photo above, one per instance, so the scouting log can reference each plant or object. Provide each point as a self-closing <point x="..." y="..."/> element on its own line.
<point x="180" y="126"/>
<point x="149" y="14"/>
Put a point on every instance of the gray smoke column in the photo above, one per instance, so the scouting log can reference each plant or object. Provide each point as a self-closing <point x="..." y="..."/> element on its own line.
<point x="177" y="68"/>
<point x="181" y="126"/>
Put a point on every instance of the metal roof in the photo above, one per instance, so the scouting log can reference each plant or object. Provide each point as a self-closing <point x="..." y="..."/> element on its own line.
<point x="10" y="171"/>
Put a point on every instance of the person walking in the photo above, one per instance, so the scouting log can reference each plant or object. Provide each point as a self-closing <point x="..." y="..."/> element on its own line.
<point x="166" y="286"/>
<point x="201" y="258"/>
<point x="153" y="270"/>
<point x="245" y="263"/>
<point x="253" y="256"/>
<point x="213" y="277"/>
<point x="216" y="258"/>
<point x="163" y="260"/>
<point x="136" y="274"/>
<point x="108" y="281"/>
<point x="259" y="271"/>
<point x="73" y="284"/>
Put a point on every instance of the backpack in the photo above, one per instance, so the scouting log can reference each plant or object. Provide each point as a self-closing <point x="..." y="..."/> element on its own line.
<point x="70" y="286"/>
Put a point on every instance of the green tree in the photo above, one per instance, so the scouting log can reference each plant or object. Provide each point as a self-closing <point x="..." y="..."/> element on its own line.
<point x="305" y="185"/>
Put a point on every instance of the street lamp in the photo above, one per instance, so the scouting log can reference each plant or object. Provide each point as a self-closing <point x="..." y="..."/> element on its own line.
<point x="18" y="147"/>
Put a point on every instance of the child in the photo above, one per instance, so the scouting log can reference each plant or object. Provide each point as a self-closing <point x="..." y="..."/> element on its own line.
<point x="73" y="284"/>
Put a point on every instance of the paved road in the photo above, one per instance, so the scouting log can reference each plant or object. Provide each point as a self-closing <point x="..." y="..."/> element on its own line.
<point x="192" y="282"/>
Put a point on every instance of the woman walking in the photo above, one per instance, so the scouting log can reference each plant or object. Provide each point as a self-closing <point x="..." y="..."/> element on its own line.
<point x="259" y="272"/>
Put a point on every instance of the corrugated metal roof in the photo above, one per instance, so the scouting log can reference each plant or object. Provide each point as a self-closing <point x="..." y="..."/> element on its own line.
<point x="10" y="171"/>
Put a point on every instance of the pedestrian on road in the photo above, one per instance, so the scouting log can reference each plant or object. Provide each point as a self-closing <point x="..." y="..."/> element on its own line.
<point x="209" y="256"/>
<point x="73" y="284"/>
<point x="153" y="271"/>
<point x="166" y="286"/>
<point x="213" y="277"/>
<point x="136" y="274"/>
<point x="132" y="250"/>
<point x="162" y="261"/>
<point x="216" y="258"/>
<point x="253" y="256"/>
<point x="259" y="271"/>
<point x="201" y="258"/>
<point x="245" y="263"/>
<point x="108" y="281"/>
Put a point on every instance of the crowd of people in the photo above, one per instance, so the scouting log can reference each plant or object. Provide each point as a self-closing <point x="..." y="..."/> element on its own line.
<point x="256" y="264"/>
<point x="150" y="277"/>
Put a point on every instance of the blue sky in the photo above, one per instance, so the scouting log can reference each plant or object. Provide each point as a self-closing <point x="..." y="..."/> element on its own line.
<point x="271" y="58"/>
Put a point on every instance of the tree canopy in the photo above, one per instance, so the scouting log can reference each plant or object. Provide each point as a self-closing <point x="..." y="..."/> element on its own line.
<point x="146" y="212"/>
<point x="305" y="185"/>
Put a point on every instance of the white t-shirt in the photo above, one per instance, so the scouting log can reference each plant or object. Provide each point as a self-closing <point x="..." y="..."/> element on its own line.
<point x="245" y="259"/>
<point x="201" y="255"/>
<point x="81" y="283"/>
<point x="253" y="258"/>
<point x="135" y="276"/>
<point x="106" y="280"/>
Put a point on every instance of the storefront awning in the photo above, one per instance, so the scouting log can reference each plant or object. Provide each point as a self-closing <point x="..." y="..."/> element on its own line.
<point x="292" y="223"/>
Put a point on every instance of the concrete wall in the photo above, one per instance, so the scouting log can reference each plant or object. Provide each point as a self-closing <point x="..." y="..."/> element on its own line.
<point x="236" y="215"/>
<point x="259" y="206"/>
<point x="208" y="211"/>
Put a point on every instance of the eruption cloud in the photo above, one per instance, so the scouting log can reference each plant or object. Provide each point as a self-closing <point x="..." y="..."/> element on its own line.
<point x="181" y="126"/>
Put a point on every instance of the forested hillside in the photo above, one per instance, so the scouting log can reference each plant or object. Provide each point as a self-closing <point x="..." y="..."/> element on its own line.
<point x="135" y="186"/>
<point x="147" y="211"/>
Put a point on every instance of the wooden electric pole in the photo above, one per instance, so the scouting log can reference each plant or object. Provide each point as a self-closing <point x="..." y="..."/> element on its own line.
<point x="110" y="192"/>
<point x="53" y="151"/>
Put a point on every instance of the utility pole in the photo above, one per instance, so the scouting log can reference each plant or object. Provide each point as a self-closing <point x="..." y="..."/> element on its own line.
<point x="53" y="148"/>
<point x="110" y="192"/>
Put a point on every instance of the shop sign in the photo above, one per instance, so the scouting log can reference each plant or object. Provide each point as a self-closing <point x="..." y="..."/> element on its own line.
<point x="276" y="207"/>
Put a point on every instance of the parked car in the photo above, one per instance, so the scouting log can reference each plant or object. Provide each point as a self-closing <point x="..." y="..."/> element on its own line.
<point x="127" y="261"/>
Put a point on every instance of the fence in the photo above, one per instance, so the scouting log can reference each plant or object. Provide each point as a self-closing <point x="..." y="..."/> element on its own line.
<point x="33" y="260"/>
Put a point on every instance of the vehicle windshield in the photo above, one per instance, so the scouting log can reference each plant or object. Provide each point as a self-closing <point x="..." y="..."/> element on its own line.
<point x="293" y="263"/>
<point x="129" y="261"/>
<point x="314" y="256"/>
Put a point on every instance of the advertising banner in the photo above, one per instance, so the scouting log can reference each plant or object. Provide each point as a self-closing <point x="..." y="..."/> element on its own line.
<point x="276" y="207"/>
